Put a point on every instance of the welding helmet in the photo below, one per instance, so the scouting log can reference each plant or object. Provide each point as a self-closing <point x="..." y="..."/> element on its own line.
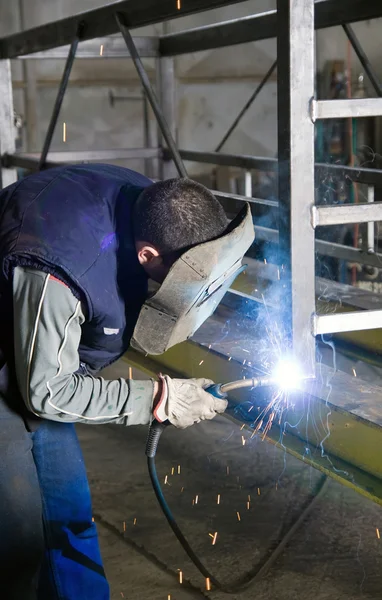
<point x="193" y="288"/>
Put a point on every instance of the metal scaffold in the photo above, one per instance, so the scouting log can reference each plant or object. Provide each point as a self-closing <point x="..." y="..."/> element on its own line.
<point x="293" y="24"/>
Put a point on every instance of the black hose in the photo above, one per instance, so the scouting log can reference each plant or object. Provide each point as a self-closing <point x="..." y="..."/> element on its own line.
<point x="155" y="433"/>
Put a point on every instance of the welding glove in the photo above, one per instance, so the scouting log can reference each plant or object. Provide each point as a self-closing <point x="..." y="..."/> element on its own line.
<point x="184" y="402"/>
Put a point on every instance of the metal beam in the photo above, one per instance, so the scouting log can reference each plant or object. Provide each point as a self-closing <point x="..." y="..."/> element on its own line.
<point x="151" y="96"/>
<point x="347" y="321"/>
<point x="8" y="174"/>
<point x="346" y="253"/>
<point x="362" y="57"/>
<point x="344" y="109"/>
<point x="59" y="98"/>
<point x="248" y="162"/>
<point x="344" y="214"/>
<point x="106" y="47"/>
<point x="246" y="106"/>
<point x="328" y="13"/>
<point x="295" y="88"/>
<point x="101" y="22"/>
<point x="340" y="435"/>
<point x="29" y="160"/>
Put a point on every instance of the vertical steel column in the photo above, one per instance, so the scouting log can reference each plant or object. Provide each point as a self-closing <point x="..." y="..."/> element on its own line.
<point x="295" y="57"/>
<point x="167" y="100"/>
<point x="7" y="127"/>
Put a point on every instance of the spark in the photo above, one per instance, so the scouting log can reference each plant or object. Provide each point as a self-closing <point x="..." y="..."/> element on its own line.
<point x="214" y="538"/>
<point x="135" y="521"/>
<point x="101" y="50"/>
<point x="238" y="516"/>
<point x="242" y="427"/>
<point x="172" y="470"/>
<point x="354" y="372"/>
<point x="243" y="440"/>
<point x="178" y="469"/>
<point x="249" y="497"/>
<point x="248" y="505"/>
<point x="201" y="362"/>
<point x="227" y="470"/>
<point x="122" y="595"/>
<point x="258" y="492"/>
<point x="244" y="350"/>
<point x="124" y="525"/>
<point x="180" y="577"/>
<point x="278" y="273"/>
<point x="265" y="261"/>
<point x="208" y="584"/>
<point x="218" y="499"/>
<point x="193" y="502"/>
<point x="93" y="519"/>
<point x="209" y="346"/>
<point x="64" y="132"/>
<point x="130" y="373"/>
<point x="196" y="499"/>
<point x="178" y="5"/>
<point x="182" y="489"/>
<point x="166" y="480"/>
<point x="378" y="534"/>
<point x="230" y="358"/>
<point x="169" y="597"/>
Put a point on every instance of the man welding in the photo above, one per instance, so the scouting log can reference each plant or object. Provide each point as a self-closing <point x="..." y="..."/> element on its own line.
<point x="77" y="247"/>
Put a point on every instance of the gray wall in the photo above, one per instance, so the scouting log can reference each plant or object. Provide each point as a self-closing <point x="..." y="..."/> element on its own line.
<point x="211" y="88"/>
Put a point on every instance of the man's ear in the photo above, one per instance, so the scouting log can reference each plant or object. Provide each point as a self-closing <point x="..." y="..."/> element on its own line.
<point x="147" y="254"/>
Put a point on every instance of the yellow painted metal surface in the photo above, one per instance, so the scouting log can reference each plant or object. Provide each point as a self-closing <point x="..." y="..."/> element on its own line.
<point x="339" y="443"/>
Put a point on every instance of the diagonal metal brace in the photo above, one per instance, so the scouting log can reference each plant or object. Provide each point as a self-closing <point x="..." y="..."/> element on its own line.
<point x="121" y="21"/>
<point x="363" y="58"/>
<point x="60" y="96"/>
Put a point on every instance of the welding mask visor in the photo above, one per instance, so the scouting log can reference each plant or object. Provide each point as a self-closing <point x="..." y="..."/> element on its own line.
<point x="193" y="288"/>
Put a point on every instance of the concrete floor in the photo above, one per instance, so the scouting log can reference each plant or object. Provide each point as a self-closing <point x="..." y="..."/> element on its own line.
<point x="334" y="555"/>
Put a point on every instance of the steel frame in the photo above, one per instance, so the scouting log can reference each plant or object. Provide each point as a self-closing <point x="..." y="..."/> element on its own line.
<point x="297" y="110"/>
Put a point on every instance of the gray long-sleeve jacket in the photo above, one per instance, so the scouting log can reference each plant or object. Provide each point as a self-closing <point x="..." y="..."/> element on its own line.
<point x="47" y="334"/>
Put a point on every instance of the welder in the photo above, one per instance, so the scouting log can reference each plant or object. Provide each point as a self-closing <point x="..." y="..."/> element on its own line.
<point x="78" y="245"/>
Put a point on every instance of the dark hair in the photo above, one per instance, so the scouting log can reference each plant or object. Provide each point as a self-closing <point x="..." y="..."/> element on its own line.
<point x="176" y="214"/>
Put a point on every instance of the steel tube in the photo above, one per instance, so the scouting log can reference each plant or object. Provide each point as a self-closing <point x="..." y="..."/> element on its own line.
<point x="112" y="47"/>
<point x="371" y="225"/>
<point x="343" y="214"/>
<point x="246" y="106"/>
<point x="349" y="321"/>
<point x="346" y="109"/>
<point x="246" y="161"/>
<point x="328" y="13"/>
<point x="120" y="18"/>
<point x="8" y="174"/>
<point x="295" y="55"/>
<point x="59" y="100"/>
<point x="100" y="22"/>
<point x="363" y="58"/>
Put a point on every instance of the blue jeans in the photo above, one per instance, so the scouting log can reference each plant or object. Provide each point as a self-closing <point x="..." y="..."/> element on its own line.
<point x="48" y="542"/>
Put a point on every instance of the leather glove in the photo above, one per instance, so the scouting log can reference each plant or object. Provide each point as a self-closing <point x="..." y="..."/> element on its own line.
<point x="184" y="402"/>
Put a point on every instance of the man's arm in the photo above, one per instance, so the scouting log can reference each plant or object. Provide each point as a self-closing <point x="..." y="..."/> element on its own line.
<point x="47" y="334"/>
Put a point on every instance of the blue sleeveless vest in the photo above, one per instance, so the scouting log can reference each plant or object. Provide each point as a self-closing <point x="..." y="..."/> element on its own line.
<point x="75" y="222"/>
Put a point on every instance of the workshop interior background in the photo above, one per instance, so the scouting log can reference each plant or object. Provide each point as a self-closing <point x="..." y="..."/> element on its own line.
<point x="336" y="554"/>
